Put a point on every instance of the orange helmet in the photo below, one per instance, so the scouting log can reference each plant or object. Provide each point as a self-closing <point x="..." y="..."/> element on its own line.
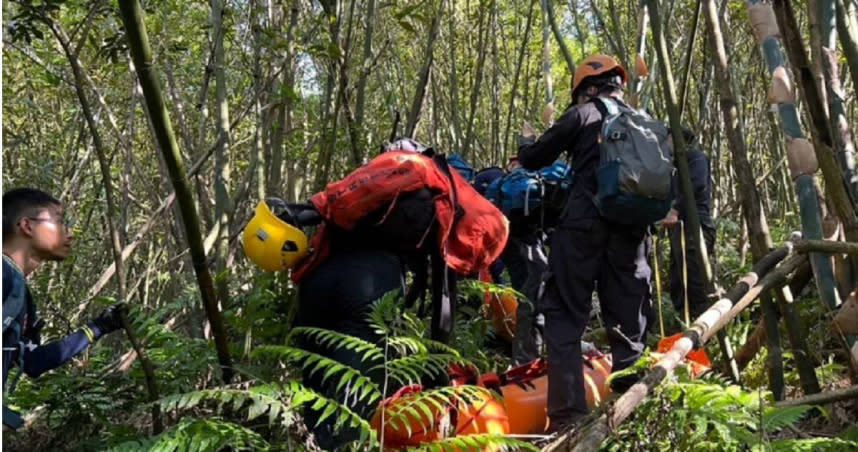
<point x="595" y="65"/>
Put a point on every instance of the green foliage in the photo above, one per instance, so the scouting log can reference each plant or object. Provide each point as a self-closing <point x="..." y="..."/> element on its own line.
<point x="476" y="442"/>
<point x="203" y="435"/>
<point x="313" y="363"/>
<point x="716" y="417"/>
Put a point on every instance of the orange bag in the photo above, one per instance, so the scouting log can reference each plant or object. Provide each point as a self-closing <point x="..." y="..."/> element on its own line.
<point x="471" y="231"/>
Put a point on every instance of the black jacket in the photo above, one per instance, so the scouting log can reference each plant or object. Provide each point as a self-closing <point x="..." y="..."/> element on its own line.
<point x="576" y="132"/>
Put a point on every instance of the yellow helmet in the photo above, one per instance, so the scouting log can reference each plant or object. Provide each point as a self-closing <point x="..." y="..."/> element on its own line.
<point x="271" y="243"/>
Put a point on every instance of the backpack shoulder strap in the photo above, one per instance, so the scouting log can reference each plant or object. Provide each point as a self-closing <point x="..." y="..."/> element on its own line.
<point x="14" y="302"/>
<point x="610" y="105"/>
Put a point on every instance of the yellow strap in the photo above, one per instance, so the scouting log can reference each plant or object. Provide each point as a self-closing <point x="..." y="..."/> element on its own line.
<point x="657" y="283"/>
<point x="89" y="334"/>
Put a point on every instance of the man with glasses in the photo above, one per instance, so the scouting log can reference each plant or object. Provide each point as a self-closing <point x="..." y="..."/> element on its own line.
<point x="34" y="231"/>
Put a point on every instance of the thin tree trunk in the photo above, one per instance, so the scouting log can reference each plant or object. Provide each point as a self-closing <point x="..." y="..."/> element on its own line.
<point x="640" y="55"/>
<point x="567" y="55"/>
<point x="515" y="80"/>
<point x="546" y="65"/>
<point x="456" y="126"/>
<point x="138" y="41"/>
<point x="478" y="79"/>
<point x="689" y="51"/>
<point x="366" y="61"/>
<point x="423" y="80"/>
<point x="843" y="144"/>
<point x="222" y="170"/>
<point x="116" y="245"/>
<point x="848" y="33"/>
<point x="692" y="217"/>
<point x="804" y="162"/>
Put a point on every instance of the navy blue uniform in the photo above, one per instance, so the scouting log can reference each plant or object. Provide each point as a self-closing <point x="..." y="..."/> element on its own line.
<point x="338" y="296"/>
<point x="38" y="358"/>
<point x="587" y="252"/>
<point x="699" y="169"/>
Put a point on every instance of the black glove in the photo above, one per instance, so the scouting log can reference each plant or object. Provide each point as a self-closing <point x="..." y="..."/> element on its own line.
<point x="110" y="319"/>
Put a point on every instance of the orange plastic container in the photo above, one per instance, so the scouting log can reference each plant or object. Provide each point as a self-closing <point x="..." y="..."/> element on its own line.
<point x="482" y="415"/>
<point x="527" y="402"/>
<point x="500" y="309"/>
<point x="408" y="430"/>
<point x="501" y="312"/>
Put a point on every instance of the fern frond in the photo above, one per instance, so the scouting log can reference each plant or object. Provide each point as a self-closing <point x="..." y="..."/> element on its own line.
<point x="440" y="347"/>
<point x="385" y="311"/>
<point x="425" y="406"/>
<point x="203" y="435"/>
<point x="813" y="445"/>
<point x="410" y="369"/>
<point x="334" y="339"/>
<point x="476" y="443"/>
<point x="302" y="395"/>
<point x="259" y="401"/>
<point x="313" y="363"/>
<point x="405" y="345"/>
<point x="775" y="418"/>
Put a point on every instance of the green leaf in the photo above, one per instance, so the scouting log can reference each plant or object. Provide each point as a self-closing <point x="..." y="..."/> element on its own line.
<point x="258" y="408"/>
<point x="777" y="418"/>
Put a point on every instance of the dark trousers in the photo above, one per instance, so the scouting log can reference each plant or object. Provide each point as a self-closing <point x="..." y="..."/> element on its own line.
<point x="338" y="296"/>
<point x="613" y="259"/>
<point x="527" y="263"/>
<point x="697" y="297"/>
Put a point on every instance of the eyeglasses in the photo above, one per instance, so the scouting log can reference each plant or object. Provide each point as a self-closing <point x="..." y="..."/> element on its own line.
<point x="65" y="222"/>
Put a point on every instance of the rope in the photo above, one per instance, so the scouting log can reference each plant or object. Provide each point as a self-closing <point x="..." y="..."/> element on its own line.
<point x="657" y="283"/>
<point x="684" y="272"/>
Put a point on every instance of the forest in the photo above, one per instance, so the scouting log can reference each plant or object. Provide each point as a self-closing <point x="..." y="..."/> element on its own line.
<point x="161" y="124"/>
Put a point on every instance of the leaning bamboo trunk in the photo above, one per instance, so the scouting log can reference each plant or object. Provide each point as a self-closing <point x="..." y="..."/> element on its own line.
<point x="842" y="133"/>
<point x="138" y="43"/>
<point x="822" y="149"/>
<point x="692" y="217"/>
<point x="800" y="155"/>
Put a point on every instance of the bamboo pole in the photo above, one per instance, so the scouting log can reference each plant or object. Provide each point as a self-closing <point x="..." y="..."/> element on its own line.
<point x="802" y="159"/>
<point x="826" y="247"/>
<point x="138" y="42"/>
<point x="692" y="218"/>
<point x="838" y="395"/>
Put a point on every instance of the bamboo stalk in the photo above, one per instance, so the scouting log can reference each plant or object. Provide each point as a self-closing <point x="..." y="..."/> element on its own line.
<point x="826" y="246"/>
<point x="138" y="41"/>
<point x="838" y="395"/>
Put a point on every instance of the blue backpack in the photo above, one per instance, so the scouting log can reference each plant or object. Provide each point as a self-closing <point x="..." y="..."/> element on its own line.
<point x="13" y="307"/>
<point x="535" y="195"/>
<point x="461" y="166"/>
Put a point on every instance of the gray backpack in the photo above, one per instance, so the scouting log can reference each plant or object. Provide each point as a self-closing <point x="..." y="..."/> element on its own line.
<point x="635" y="175"/>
